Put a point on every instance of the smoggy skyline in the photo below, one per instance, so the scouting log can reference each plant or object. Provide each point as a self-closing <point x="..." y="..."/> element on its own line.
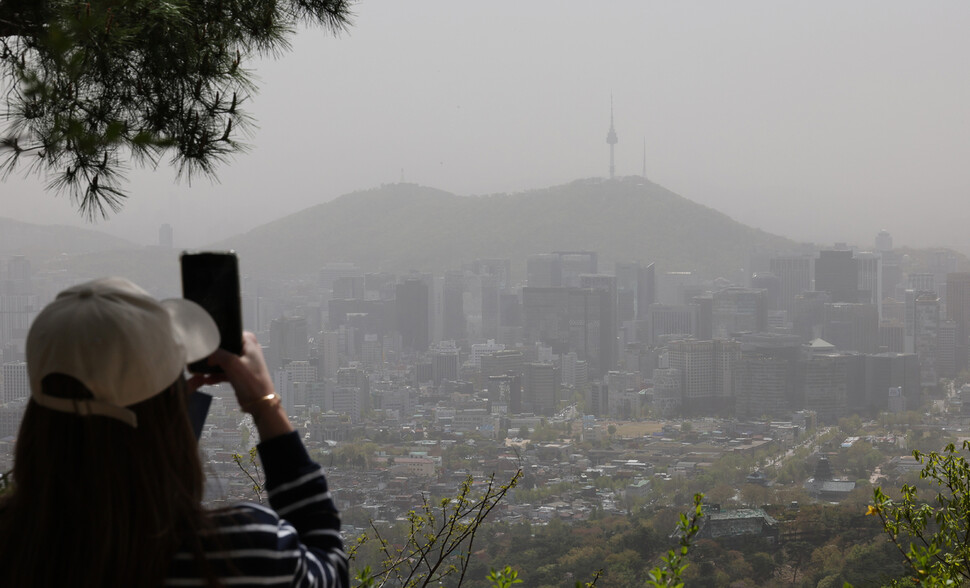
<point x="822" y="122"/>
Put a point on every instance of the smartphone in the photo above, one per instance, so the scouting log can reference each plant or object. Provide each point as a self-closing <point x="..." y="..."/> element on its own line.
<point x="211" y="279"/>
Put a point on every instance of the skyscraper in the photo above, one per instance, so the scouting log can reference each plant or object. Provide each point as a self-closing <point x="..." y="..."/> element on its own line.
<point x="795" y="274"/>
<point x="851" y="327"/>
<point x="543" y="270"/>
<point x="958" y="311"/>
<point x="453" y="310"/>
<point x="411" y="305"/>
<point x="540" y="388"/>
<point x="869" y="284"/>
<point x="926" y="325"/>
<point x="737" y="310"/>
<point x="836" y="273"/>
<point x="646" y="290"/>
<point x="445" y="362"/>
<point x="288" y="341"/>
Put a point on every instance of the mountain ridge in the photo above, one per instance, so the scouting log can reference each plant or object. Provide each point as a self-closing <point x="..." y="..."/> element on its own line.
<point x="399" y="227"/>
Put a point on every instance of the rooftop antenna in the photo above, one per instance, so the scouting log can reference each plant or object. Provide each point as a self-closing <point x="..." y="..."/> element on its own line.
<point x="611" y="138"/>
<point x="644" y="174"/>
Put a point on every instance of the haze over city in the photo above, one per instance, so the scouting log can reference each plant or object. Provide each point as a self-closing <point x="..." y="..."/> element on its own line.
<point x="819" y="122"/>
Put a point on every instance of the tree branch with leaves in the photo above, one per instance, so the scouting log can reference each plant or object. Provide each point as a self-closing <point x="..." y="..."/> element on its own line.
<point x="89" y="88"/>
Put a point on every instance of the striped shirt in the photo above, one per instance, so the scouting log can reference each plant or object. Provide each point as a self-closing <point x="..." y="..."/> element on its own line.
<point x="252" y="545"/>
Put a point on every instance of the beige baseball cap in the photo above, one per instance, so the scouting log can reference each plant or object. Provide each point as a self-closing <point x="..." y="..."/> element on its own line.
<point x="121" y="343"/>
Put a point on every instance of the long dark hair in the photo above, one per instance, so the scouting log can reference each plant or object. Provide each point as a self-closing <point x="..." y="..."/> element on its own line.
<point x="96" y="502"/>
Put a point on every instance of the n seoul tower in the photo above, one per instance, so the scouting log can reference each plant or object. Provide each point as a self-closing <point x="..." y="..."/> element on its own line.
<point x="611" y="138"/>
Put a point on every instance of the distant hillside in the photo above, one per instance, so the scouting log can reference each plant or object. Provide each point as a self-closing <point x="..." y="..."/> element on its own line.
<point x="401" y="227"/>
<point x="41" y="242"/>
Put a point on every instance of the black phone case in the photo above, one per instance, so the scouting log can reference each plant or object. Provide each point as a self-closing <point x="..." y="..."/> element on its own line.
<point x="211" y="280"/>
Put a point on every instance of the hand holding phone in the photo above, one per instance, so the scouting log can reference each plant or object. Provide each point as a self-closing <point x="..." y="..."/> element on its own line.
<point x="211" y="279"/>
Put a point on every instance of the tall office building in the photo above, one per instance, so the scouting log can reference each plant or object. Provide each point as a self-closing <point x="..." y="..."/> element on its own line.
<point x="572" y="319"/>
<point x="851" y="327"/>
<point x="626" y="290"/>
<point x="491" y="293"/>
<point x="16" y="384"/>
<point x="763" y="386"/>
<point x="540" y="393"/>
<point x="576" y="263"/>
<point x="329" y="353"/>
<point x="738" y="310"/>
<point x="509" y="319"/>
<point x="869" y="283"/>
<point x="892" y="336"/>
<point x="946" y="349"/>
<point x="646" y="290"/>
<point x="445" y="362"/>
<point x="331" y="271"/>
<point x="891" y="370"/>
<point x="824" y="379"/>
<point x="771" y="284"/>
<point x="607" y="284"/>
<point x="836" y="272"/>
<point x="411" y="308"/>
<point x="922" y="282"/>
<point x="765" y="377"/>
<point x="958" y="311"/>
<point x="795" y="276"/>
<point x="348" y="287"/>
<point x="706" y="369"/>
<point x="543" y="270"/>
<point x="926" y="325"/>
<point x="810" y="314"/>
<point x="453" y="310"/>
<point x="676" y="287"/>
<point x="884" y="241"/>
<point x="665" y="319"/>
<point x="19" y="303"/>
<point x="288" y="341"/>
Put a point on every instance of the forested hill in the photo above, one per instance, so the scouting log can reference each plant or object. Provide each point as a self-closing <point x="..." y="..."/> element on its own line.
<point x="401" y="227"/>
<point x="41" y="242"/>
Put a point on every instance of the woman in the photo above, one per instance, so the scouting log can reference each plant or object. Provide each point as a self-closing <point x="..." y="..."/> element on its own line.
<point x="107" y="478"/>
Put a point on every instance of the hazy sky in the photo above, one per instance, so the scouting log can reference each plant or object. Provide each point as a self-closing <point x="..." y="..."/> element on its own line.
<point x="820" y="121"/>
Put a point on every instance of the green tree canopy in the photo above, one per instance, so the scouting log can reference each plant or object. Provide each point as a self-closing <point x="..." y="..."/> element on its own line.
<point x="90" y="87"/>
